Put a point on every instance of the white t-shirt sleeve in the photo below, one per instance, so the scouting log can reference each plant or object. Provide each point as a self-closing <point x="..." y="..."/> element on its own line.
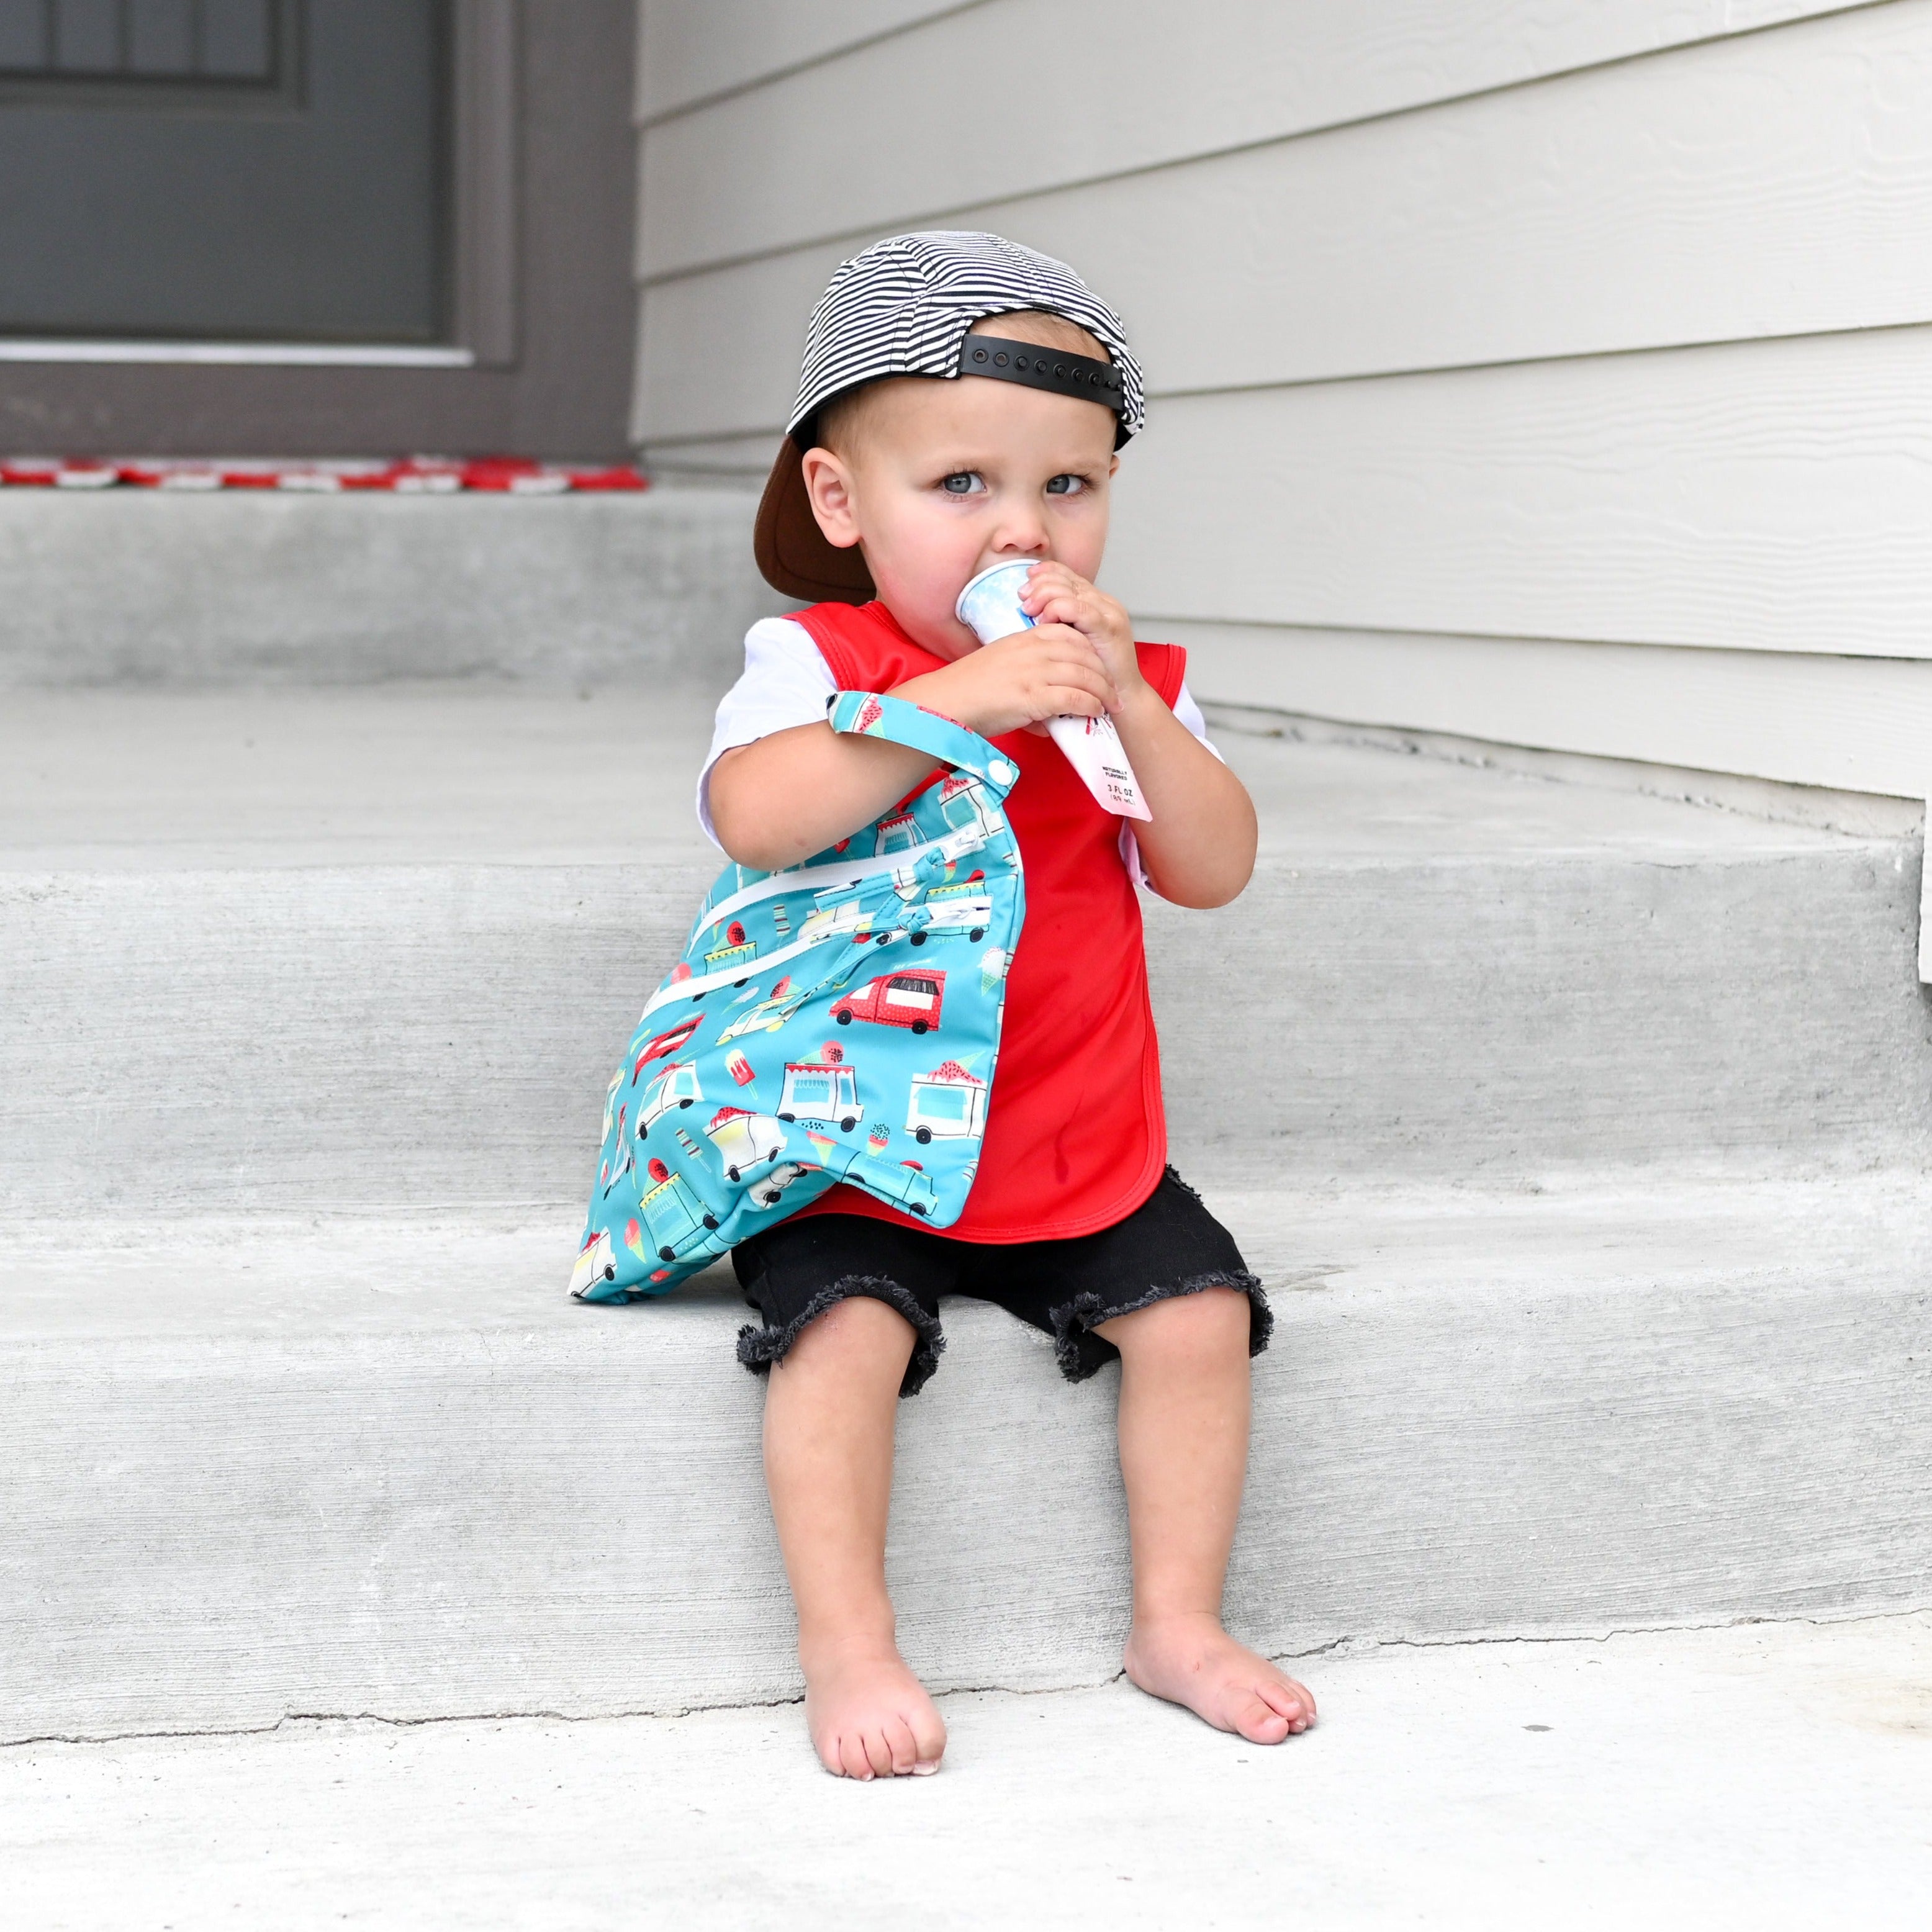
<point x="786" y="681"/>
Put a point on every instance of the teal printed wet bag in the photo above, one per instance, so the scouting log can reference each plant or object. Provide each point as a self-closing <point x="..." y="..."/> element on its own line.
<point x="837" y="1021"/>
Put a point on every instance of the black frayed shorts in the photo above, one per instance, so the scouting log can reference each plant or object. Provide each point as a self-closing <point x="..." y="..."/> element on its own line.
<point x="1169" y="1245"/>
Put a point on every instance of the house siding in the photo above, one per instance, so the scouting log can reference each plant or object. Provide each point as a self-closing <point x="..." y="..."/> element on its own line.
<point x="1539" y="346"/>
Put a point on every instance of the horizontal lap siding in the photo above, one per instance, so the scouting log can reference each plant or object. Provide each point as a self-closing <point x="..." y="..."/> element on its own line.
<point x="1776" y="184"/>
<point x="689" y="50"/>
<point x="1773" y="495"/>
<point x="962" y="110"/>
<point x="1855" y="723"/>
<point x="1403" y="465"/>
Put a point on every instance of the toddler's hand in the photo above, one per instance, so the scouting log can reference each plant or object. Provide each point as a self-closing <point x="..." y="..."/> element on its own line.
<point x="1055" y="595"/>
<point x="1019" y="680"/>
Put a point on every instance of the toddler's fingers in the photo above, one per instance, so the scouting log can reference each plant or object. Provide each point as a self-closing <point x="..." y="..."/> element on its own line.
<point x="1065" y="643"/>
<point x="1084" y="670"/>
<point x="1046" y="601"/>
<point x="1070" y="698"/>
<point x="1048" y="579"/>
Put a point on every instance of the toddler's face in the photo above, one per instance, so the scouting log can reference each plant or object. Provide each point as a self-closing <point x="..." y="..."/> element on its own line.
<point x="941" y="480"/>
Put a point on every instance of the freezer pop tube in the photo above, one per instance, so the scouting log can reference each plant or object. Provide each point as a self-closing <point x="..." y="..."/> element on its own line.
<point x="989" y="607"/>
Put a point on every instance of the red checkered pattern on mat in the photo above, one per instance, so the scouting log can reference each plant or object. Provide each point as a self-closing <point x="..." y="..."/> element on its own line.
<point x="424" y="476"/>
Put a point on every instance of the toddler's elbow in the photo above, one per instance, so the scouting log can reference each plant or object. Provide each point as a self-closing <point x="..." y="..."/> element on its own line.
<point x="746" y="840"/>
<point x="1201" y="892"/>
<point x="747" y="849"/>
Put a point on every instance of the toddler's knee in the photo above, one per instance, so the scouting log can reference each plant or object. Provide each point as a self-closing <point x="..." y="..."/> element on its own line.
<point x="856" y="1324"/>
<point x="1209" y="1328"/>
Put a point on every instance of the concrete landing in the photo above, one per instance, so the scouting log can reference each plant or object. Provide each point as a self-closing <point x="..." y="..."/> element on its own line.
<point x="427" y="772"/>
<point x="143" y="586"/>
<point x="269" y="950"/>
<point x="279" y="1466"/>
<point x="1777" y="1776"/>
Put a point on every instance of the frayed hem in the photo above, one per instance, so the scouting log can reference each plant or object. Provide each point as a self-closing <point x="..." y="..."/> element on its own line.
<point x="1080" y="1353"/>
<point x="758" y="1348"/>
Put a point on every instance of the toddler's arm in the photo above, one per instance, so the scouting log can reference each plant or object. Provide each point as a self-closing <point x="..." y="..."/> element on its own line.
<point x="797" y="792"/>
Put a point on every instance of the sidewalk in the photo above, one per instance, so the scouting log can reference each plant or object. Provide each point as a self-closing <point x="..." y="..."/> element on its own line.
<point x="1761" y="1776"/>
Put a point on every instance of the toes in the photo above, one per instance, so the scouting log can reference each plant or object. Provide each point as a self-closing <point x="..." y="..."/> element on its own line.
<point x="878" y="1752"/>
<point x="1258" y="1723"/>
<point x="1290" y="1699"/>
<point x="852" y="1758"/>
<point x="928" y="1731"/>
<point x="900" y="1747"/>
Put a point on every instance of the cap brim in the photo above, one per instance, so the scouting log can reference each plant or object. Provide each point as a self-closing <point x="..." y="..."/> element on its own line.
<point x="793" y="555"/>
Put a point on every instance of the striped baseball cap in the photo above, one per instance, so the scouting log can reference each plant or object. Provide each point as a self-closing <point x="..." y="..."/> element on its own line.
<point x="904" y="307"/>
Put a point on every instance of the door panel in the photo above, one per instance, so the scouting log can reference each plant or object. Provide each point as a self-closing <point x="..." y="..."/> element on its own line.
<point x="225" y="169"/>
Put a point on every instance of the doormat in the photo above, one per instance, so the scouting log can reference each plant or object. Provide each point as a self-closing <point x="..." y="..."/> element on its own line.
<point x="416" y="476"/>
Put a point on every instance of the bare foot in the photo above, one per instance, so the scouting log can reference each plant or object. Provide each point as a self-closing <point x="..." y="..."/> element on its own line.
<point x="869" y="1715"/>
<point x="1192" y="1661"/>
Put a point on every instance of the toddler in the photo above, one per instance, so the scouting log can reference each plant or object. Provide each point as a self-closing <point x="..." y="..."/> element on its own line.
<point x="961" y="404"/>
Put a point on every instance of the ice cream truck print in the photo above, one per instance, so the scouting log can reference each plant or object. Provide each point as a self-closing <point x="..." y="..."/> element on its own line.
<point x="913" y="999"/>
<point x="899" y="834"/>
<point x="676" y="1222"/>
<point x="737" y="950"/>
<point x="907" y="1184"/>
<point x="676" y="1086"/>
<point x="822" y="1090"/>
<point x="949" y="1103"/>
<point x="962" y="806"/>
<point x="966" y="907"/>
<point x="837" y="916"/>
<point x="618" y="1163"/>
<point x="768" y="1015"/>
<point x="597" y="1262"/>
<point x="747" y="1141"/>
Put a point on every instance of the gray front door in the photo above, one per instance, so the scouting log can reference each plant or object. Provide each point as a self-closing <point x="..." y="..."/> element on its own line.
<point x="225" y="170"/>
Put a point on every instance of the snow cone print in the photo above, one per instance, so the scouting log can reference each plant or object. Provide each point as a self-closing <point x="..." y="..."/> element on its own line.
<point x="879" y="1138"/>
<point x="993" y="964"/>
<point x="634" y="1239"/>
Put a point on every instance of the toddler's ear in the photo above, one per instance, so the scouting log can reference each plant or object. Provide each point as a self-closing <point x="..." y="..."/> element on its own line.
<point x="828" y="483"/>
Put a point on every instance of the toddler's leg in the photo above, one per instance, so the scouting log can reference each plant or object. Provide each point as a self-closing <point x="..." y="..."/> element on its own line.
<point x="829" y="1412"/>
<point x="1184" y="1406"/>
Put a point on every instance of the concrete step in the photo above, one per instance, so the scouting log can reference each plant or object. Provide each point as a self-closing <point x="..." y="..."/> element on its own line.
<point x="282" y="949"/>
<point x="1770" y="1777"/>
<point x="300" y="1465"/>
<point x="144" y="586"/>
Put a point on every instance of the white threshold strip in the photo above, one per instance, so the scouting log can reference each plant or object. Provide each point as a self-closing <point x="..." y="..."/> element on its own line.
<point x="292" y="355"/>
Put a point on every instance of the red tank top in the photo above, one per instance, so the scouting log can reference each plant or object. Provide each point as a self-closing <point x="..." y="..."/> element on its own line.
<point x="1076" y="1138"/>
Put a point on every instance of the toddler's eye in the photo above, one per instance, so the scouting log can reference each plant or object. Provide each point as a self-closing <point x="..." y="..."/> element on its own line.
<point x="961" y="483"/>
<point x="1065" y="485"/>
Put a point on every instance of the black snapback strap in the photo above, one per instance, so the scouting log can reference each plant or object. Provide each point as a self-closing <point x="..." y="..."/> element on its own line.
<point x="1039" y="368"/>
